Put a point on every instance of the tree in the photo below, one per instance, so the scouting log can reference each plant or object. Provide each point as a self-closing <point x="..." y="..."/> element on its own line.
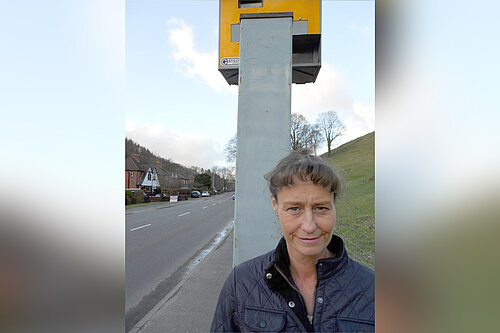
<point x="196" y="170"/>
<point x="304" y="136"/>
<point x="217" y="181"/>
<point x="204" y="179"/>
<point x="331" y="127"/>
<point x="227" y="173"/>
<point x="315" y="138"/>
<point x="230" y="150"/>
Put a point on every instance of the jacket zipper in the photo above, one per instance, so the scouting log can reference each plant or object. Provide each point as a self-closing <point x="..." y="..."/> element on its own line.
<point x="286" y="279"/>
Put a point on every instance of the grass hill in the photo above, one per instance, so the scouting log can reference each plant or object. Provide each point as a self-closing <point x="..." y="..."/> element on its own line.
<point x="355" y="162"/>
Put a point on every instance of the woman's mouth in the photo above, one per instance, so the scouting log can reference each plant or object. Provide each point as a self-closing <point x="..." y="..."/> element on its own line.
<point x="309" y="240"/>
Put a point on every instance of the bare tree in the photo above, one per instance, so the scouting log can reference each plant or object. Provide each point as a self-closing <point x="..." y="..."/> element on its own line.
<point x="196" y="170"/>
<point x="298" y="131"/>
<point x="315" y="138"/>
<point x="330" y="126"/>
<point x="226" y="175"/>
<point x="230" y="150"/>
<point x="304" y="136"/>
<point x="219" y="177"/>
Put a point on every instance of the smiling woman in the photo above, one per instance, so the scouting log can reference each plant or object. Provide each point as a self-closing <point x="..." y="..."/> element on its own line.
<point x="308" y="283"/>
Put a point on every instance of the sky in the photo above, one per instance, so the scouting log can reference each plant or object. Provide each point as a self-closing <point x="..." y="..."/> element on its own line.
<point x="180" y="107"/>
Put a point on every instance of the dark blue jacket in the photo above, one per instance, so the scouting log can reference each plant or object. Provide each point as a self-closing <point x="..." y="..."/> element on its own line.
<point x="253" y="298"/>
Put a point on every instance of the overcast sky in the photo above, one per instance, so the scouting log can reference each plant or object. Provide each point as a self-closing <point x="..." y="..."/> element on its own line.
<point x="180" y="107"/>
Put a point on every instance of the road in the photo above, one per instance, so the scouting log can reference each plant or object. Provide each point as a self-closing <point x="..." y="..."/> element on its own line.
<point x="162" y="238"/>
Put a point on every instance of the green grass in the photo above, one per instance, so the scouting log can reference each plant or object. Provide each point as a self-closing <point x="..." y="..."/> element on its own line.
<point x="355" y="162"/>
<point x="141" y="204"/>
<point x="146" y="204"/>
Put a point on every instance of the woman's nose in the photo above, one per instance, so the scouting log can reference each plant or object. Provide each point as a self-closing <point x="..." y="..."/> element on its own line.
<point x="308" y="223"/>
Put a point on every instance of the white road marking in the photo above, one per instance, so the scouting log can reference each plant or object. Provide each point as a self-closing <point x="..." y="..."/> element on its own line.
<point x="214" y="204"/>
<point x="184" y="214"/>
<point x="204" y="207"/>
<point x="142" y="226"/>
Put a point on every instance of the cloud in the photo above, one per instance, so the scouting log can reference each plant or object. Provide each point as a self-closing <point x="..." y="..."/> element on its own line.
<point x="192" y="62"/>
<point x="330" y="92"/>
<point x="361" y="120"/>
<point x="187" y="149"/>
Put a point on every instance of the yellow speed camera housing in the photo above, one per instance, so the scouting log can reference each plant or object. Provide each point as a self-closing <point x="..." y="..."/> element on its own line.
<point x="306" y="34"/>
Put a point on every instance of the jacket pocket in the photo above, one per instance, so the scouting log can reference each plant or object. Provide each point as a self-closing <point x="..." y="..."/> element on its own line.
<point x="351" y="325"/>
<point x="263" y="320"/>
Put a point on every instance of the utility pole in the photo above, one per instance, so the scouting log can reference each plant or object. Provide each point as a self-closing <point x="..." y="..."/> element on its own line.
<point x="265" y="80"/>
<point x="264" y="47"/>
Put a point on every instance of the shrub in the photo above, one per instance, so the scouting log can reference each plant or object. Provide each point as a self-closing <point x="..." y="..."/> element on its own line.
<point x="129" y="195"/>
<point x="139" y="196"/>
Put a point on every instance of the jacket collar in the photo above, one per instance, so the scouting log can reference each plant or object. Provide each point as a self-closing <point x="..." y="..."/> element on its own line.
<point x="325" y="267"/>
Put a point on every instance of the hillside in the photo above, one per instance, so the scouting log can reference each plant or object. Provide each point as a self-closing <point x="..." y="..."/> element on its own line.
<point x="355" y="161"/>
<point x="147" y="157"/>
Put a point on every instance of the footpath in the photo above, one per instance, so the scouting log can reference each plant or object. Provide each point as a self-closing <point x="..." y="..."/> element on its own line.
<point x="190" y="306"/>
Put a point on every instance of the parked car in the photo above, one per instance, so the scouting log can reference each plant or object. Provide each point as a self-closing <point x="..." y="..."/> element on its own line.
<point x="234" y="195"/>
<point x="205" y="194"/>
<point x="195" y="194"/>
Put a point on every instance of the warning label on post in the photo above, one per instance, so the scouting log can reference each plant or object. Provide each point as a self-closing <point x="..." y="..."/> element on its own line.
<point x="230" y="62"/>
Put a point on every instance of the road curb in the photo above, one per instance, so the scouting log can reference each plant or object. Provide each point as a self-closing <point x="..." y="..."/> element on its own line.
<point x="216" y="243"/>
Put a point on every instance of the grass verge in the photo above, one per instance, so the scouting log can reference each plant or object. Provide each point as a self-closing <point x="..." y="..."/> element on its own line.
<point x="355" y="162"/>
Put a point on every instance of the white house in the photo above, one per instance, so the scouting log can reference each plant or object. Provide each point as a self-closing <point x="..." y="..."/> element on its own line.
<point x="151" y="180"/>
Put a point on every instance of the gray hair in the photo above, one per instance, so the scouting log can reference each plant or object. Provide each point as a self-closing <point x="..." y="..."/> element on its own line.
<point x="307" y="168"/>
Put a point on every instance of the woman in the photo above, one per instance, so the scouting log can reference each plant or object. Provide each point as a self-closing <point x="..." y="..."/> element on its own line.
<point x="308" y="283"/>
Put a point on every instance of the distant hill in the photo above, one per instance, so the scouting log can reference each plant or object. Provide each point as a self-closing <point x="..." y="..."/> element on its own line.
<point x="355" y="161"/>
<point x="147" y="157"/>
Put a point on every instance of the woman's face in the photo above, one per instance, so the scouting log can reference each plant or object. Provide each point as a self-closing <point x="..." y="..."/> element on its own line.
<point x="307" y="215"/>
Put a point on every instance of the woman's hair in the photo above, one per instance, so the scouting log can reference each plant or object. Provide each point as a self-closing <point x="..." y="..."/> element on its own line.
<point x="307" y="168"/>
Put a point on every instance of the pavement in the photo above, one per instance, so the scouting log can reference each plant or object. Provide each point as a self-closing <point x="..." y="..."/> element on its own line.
<point x="190" y="306"/>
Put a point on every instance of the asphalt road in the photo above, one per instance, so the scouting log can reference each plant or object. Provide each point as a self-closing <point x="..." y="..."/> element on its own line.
<point x="162" y="237"/>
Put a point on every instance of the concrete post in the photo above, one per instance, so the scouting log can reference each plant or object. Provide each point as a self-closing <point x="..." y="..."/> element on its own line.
<point x="263" y="135"/>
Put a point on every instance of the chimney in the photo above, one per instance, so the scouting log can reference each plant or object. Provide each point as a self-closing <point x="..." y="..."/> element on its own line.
<point x="135" y="157"/>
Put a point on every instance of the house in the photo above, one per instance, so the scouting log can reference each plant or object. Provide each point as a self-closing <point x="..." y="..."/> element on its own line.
<point x="152" y="178"/>
<point x="151" y="183"/>
<point x="134" y="173"/>
<point x="184" y="181"/>
<point x="171" y="179"/>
